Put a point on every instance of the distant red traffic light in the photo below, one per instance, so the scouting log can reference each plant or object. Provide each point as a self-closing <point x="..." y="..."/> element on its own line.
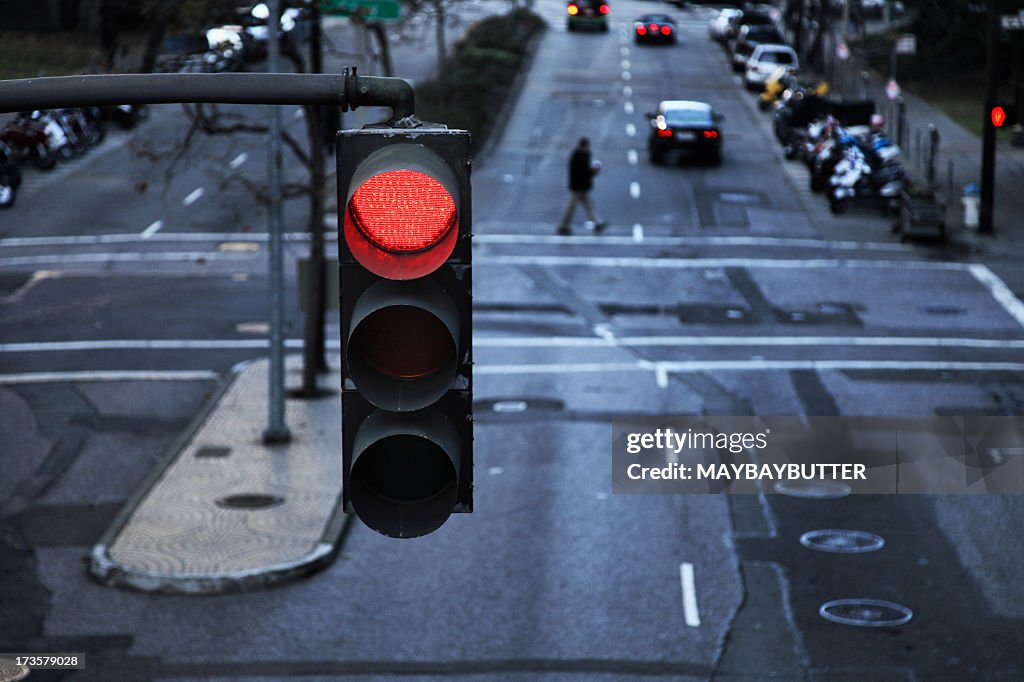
<point x="998" y="116"/>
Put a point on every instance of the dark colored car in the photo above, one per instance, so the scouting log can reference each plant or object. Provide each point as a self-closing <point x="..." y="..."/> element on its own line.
<point x="592" y="14"/>
<point x="688" y="127"/>
<point x="654" y="28"/>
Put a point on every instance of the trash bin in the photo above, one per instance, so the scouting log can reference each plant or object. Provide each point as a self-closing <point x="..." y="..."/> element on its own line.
<point x="971" y="201"/>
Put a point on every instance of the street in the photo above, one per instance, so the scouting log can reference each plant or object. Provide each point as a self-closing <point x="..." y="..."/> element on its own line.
<point x="131" y="282"/>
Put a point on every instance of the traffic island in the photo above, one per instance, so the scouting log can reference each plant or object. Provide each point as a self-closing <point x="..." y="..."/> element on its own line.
<point x="225" y="511"/>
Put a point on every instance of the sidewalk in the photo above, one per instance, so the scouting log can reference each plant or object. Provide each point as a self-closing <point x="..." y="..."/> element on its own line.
<point x="228" y="512"/>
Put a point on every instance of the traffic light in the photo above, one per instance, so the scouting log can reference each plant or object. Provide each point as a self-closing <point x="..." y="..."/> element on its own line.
<point x="998" y="116"/>
<point x="406" y="327"/>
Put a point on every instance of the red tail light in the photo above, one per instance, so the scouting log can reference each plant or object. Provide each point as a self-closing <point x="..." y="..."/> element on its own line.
<point x="654" y="28"/>
<point x="710" y="134"/>
<point x="665" y="132"/>
<point x="604" y="9"/>
<point x="666" y="30"/>
<point x="573" y="10"/>
<point x="641" y="30"/>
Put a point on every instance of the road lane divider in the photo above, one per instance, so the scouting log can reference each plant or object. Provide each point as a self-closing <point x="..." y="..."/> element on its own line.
<point x="690" y="611"/>
<point x="194" y="196"/>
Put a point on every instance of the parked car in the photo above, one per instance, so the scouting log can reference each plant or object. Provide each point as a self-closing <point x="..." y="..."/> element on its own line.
<point x="592" y="14"/>
<point x="723" y="25"/>
<point x="685" y="127"/>
<point x="766" y="58"/>
<point x="749" y="37"/>
<point x="654" y="28"/>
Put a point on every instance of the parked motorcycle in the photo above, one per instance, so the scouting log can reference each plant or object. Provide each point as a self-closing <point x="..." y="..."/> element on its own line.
<point x="28" y="139"/>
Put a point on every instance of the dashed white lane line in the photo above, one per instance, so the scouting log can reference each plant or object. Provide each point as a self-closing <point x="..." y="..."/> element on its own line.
<point x="193" y="197"/>
<point x="633" y="157"/>
<point x="238" y="160"/>
<point x="690" y="611"/>
<point x="626" y="66"/>
<point x="154" y="227"/>
<point x="627" y="91"/>
<point x="634" y="189"/>
<point x="627" y="107"/>
<point x="638" y="232"/>
<point x="630" y="130"/>
<point x="627" y="76"/>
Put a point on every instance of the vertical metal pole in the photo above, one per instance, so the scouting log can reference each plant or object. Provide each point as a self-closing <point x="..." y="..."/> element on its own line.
<point x="988" y="134"/>
<point x="277" y="430"/>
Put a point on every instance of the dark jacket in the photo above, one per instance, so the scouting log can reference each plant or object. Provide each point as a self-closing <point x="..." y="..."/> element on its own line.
<point x="581" y="175"/>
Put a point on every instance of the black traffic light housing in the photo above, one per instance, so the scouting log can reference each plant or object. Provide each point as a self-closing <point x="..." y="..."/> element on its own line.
<point x="407" y="433"/>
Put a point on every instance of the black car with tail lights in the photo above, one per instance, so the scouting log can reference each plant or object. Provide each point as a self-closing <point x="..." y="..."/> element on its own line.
<point x="685" y="127"/>
<point x="588" y="14"/>
<point x="654" y="28"/>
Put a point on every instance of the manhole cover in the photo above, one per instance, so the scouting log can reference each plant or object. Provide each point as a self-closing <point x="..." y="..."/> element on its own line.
<point x="817" y="490"/>
<point x="249" y="501"/>
<point x="865" y="613"/>
<point x="11" y="671"/>
<point x="842" y="541"/>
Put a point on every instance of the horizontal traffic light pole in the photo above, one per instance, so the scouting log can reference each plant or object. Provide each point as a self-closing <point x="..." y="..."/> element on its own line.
<point x="347" y="90"/>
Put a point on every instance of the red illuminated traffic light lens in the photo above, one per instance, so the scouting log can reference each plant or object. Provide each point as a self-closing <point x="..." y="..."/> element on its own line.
<point x="998" y="117"/>
<point x="403" y="342"/>
<point x="403" y="211"/>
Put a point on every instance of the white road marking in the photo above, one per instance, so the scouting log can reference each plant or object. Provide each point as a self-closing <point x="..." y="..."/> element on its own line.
<point x="634" y="189"/>
<point x="627" y="108"/>
<point x="747" y="341"/>
<point x="111" y="375"/>
<point x="632" y="156"/>
<point x="603" y="337"/>
<point x="625" y="65"/>
<point x="104" y="258"/>
<point x="786" y="242"/>
<point x="1000" y="292"/>
<point x="630" y="130"/>
<point x="690" y="611"/>
<point x="638" y="232"/>
<point x="627" y="91"/>
<point x="154" y="227"/>
<point x="193" y="197"/>
<point x="693" y="366"/>
<point x="126" y="237"/>
<point x="707" y="263"/>
<point x="627" y="76"/>
<point x="624" y="51"/>
<point x="238" y="160"/>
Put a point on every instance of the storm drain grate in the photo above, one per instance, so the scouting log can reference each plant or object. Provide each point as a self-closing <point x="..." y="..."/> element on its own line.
<point x="866" y="613"/>
<point x="842" y="541"/>
<point x="211" y="451"/>
<point x="250" y="501"/>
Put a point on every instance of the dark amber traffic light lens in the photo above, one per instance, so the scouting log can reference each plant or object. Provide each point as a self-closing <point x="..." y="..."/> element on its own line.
<point x="403" y="211"/>
<point x="403" y="342"/>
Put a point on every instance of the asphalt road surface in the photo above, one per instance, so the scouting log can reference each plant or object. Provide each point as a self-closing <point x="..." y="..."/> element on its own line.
<point x="132" y="279"/>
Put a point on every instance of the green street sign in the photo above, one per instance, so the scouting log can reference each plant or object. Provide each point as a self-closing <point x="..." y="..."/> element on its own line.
<point x="370" y="10"/>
